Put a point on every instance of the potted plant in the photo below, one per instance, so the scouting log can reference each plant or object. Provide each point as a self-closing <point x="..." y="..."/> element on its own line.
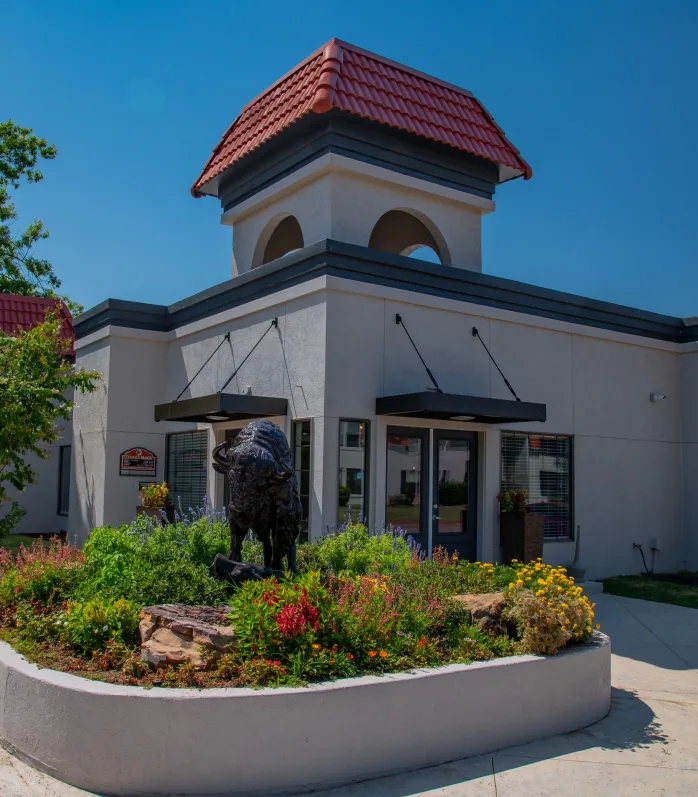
<point x="155" y="501"/>
<point x="521" y="532"/>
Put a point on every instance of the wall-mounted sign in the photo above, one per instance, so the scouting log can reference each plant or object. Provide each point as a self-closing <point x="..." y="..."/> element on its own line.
<point x="138" y="462"/>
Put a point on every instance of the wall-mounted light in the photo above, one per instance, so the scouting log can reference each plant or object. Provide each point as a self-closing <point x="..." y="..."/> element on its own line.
<point x="657" y="397"/>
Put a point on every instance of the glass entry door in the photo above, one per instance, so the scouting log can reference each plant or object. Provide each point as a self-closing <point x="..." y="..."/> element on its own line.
<point x="454" y="519"/>
<point x="432" y="494"/>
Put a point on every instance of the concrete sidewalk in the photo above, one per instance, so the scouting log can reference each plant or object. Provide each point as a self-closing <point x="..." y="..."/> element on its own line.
<point x="647" y="745"/>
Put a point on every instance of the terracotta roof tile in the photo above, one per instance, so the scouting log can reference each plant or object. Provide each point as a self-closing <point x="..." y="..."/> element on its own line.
<point x="344" y="77"/>
<point x="24" y="312"/>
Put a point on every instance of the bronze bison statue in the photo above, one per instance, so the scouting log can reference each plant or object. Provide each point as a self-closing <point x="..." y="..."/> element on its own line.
<point x="263" y="492"/>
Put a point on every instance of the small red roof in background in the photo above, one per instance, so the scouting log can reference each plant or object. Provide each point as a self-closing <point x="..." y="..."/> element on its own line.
<point x="24" y="312"/>
<point x="345" y="77"/>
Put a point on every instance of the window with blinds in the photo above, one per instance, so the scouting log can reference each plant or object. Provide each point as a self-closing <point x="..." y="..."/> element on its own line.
<point x="541" y="464"/>
<point x="64" y="453"/>
<point x="187" y="460"/>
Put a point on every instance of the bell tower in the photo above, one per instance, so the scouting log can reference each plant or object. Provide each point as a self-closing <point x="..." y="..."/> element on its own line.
<point x="352" y="147"/>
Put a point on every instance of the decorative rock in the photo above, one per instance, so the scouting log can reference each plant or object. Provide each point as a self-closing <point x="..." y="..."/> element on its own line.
<point x="486" y="609"/>
<point x="174" y="634"/>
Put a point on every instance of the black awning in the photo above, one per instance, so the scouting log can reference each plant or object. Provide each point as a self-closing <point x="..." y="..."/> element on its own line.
<point x="453" y="407"/>
<point x="221" y="407"/>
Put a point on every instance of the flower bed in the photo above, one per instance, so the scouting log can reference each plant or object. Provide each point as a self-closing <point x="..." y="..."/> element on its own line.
<point x="362" y="604"/>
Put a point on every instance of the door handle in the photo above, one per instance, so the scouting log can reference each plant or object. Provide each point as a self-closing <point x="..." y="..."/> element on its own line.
<point x="435" y="517"/>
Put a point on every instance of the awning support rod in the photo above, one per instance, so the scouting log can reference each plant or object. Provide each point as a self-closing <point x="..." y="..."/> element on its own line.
<point x="398" y="320"/>
<point x="225" y="337"/>
<point x="274" y="323"/>
<point x="476" y="334"/>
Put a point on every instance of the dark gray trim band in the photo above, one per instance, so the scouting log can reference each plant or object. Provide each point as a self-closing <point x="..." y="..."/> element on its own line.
<point x="370" y="142"/>
<point x="452" y="406"/>
<point x="393" y="271"/>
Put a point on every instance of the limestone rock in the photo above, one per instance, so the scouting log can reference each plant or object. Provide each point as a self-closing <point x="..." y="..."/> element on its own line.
<point x="486" y="609"/>
<point x="174" y="634"/>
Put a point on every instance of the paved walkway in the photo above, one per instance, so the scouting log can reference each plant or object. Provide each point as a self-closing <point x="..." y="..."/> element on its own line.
<point x="647" y="745"/>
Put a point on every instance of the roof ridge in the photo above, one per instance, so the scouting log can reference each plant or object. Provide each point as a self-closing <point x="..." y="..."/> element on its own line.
<point x="332" y="59"/>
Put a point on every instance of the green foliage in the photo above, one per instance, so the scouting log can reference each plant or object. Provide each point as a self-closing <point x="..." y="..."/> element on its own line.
<point x="155" y="494"/>
<point x="35" y="380"/>
<point x="91" y="626"/>
<point x="453" y="493"/>
<point x="45" y="574"/>
<point x="20" y="271"/>
<point x="344" y="495"/>
<point x="354" y="550"/>
<point x="150" y="563"/>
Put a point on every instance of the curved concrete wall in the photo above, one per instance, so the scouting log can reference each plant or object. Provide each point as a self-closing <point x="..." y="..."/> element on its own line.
<point x="131" y="741"/>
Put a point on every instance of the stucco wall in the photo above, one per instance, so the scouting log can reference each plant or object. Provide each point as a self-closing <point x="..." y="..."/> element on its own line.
<point x="343" y="201"/>
<point x="596" y="385"/>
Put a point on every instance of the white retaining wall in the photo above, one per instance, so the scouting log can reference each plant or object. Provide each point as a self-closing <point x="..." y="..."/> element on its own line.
<point x="132" y="741"/>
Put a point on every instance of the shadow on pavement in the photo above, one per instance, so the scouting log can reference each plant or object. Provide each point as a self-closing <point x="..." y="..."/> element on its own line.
<point x="630" y="725"/>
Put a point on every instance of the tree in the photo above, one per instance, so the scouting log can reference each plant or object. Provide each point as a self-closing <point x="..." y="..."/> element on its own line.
<point x="21" y="272"/>
<point x="35" y="380"/>
<point x="35" y="376"/>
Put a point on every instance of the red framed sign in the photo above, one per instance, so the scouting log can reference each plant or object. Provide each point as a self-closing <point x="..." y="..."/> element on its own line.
<point x="138" y="462"/>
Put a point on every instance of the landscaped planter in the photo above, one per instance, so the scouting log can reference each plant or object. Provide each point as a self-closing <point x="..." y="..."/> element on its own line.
<point x="521" y="536"/>
<point x="126" y="740"/>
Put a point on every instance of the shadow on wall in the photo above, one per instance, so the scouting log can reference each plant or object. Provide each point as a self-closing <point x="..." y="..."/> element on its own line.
<point x="630" y="725"/>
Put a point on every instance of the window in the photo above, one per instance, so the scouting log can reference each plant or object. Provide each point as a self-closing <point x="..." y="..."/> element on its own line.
<point x="353" y="445"/>
<point x="64" y="455"/>
<point x="301" y="463"/>
<point x="541" y="464"/>
<point x="187" y="462"/>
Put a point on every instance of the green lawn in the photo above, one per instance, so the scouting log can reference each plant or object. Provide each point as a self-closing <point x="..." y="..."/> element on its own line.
<point x="12" y="542"/>
<point x="681" y="589"/>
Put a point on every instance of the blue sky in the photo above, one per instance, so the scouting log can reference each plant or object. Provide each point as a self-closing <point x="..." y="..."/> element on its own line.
<point x="600" y="97"/>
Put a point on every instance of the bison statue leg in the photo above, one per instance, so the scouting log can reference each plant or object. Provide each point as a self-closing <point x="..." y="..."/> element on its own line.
<point x="237" y="536"/>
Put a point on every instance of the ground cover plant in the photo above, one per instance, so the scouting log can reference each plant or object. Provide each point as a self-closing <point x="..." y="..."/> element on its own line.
<point x="681" y="589"/>
<point x="362" y="603"/>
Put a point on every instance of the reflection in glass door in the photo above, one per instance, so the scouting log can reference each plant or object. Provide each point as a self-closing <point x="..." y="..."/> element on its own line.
<point x="454" y="522"/>
<point x="406" y="459"/>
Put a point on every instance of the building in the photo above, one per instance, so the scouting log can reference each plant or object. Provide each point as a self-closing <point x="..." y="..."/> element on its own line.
<point x="47" y="500"/>
<point x="387" y="371"/>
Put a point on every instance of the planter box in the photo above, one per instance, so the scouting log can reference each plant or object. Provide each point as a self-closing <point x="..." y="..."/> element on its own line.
<point x="156" y="511"/>
<point x="521" y="536"/>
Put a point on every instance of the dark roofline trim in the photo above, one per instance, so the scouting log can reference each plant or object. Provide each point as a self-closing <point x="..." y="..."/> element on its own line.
<point x="219" y="407"/>
<point x="369" y="142"/>
<point x="370" y="266"/>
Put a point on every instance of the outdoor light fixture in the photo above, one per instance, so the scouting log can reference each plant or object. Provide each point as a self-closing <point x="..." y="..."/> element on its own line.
<point x="463" y="418"/>
<point x="657" y="397"/>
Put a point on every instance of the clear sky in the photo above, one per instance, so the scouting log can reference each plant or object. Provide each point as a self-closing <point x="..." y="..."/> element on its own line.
<point x="601" y="98"/>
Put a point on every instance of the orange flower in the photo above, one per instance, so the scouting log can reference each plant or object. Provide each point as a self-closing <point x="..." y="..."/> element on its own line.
<point x="331" y="661"/>
<point x="383" y="654"/>
<point x="422" y="642"/>
<point x="316" y="646"/>
<point x="350" y="656"/>
<point x="372" y="654"/>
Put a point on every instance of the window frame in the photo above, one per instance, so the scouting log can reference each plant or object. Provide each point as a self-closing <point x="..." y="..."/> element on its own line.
<point x="168" y="440"/>
<point x="296" y="469"/>
<point x="572" y="504"/>
<point x="367" y="463"/>
<point x="59" y="504"/>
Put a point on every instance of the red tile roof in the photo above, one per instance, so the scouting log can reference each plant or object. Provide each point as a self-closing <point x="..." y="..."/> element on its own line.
<point x="24" y="312"/>
<point x="345" y="77"/>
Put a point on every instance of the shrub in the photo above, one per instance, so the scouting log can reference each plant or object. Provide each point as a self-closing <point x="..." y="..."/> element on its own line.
<point x="453" y="493"/>
<point x="43" y="573"/>
<point x="98" y="623"/>
<point x="353" y="550"/>
<point x="148" y="562"/>
<point x="548" y="609"/>
<point x="344" y="495"/>
<point x="155" y="494"/>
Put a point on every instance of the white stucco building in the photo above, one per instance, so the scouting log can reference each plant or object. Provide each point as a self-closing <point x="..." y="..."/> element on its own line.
<point x="329" y="180"/>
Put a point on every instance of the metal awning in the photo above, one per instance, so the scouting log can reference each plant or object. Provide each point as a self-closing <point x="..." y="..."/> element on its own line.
<point x="454" y="407"/>
<point x="221" y="407"/>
